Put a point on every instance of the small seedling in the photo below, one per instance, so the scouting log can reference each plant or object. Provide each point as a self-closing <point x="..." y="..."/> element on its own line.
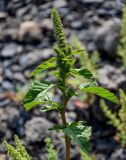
<point x="51" y="152"/>
<point x="62" y="66"/>
<point x="117" y="120"/>
<point x="18" y="152"/>
<point x="90" y="62"/>
<point x="122" y="41"/>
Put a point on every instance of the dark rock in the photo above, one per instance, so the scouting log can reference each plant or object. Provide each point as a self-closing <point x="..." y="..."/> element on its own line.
<point x="6" y="119"/>
<point x="1" y="73"/>
<point x="15" y="68"/>
<point x="106" y="146"/>
<point x="119" y="154"/>
<point x="12" y="112"/>
<point x="107" y="38"/>
<point x="91" y="1"/>
<point x="111" y="77"/>
<point x="102" y="12"/>
<point x="14" y="5"/>
<point x="24" y="11"/>
<point x="3" y="5"/>
<point x="39" y="2"/>
<point x="8" y="35"/>
<point x="19" y="121"/>
<point x="4" y="102"/>
<point x="100" y="157"/>
<point x="3" y="16"/>
<point x="1" y="79"/>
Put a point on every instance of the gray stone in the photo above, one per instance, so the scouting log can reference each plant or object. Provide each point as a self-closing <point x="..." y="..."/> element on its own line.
<point x="106" y="37"/>
<point x="3" y="16"/>
<point x="9" y="50"/>
<point x="8" y="74"/>
<point x="34" y="57"/>
<point x="4" y="103"/>
<point x="23" y="11"/>
<point x="76" y="25"/>
<point x="100" y="157"/>
<point x="16" y="68"/>
<point x="111" y="77"/>
<point x="47" y="24"/>
<point x="7" y="118"/>
<point x="19" y="77"/>
<point x="71" y="116"/>
<point x="29" y="31"/>
<point x="1" y="73"/>
<point x="36" y="129"/>
<point x="93" y="1"/>
<point x="60" y="3"/>
<point x="119" y="154"/>
<point x="2" y="5"/>
<point x="1" y="79"/>
<point x="7" y="85"/>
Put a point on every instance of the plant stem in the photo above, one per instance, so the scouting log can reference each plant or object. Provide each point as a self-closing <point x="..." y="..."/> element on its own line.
<point x="67" y="139"/>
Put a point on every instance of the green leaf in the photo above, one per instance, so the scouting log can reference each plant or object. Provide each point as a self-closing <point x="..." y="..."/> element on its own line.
<point x="69" y="92"/>
<point x="84" y="72"/>
<point x="88" y="84"/>
<point x="80" y="134"/>
<point x="45" y="65"/>
<point x="85" y="156"/>
<point x="100" y="91"/>
<point x="58" y="127"/>
<point x="38" y="94"/>
<point x="51" y="106"/>
<point x="79" y="51"/>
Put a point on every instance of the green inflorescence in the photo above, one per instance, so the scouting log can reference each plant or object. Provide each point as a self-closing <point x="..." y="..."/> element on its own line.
<point x="51" y="152"/>
<point x="65" y="59"/>
<point x="59" y="30"/>
<point x="117" y="120"/>
<point x="17" y="153"/>
<point x="122" y="41"/>
<point x="89" y="62"/>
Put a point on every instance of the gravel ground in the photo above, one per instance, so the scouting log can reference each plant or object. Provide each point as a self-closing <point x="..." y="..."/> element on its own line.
<point x="26" y="38"/>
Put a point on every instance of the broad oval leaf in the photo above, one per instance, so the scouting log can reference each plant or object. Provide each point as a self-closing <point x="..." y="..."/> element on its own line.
<point x="84" y="72"/>
<point x="45" y="65"/>
<point x="102" y="92"/>
<point x="38" y="94"/>
<point x="88" y="84"/>
<point x="80" y="134"/>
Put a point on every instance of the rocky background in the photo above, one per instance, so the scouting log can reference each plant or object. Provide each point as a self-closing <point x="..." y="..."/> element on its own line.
<point x="26" y="39"/>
